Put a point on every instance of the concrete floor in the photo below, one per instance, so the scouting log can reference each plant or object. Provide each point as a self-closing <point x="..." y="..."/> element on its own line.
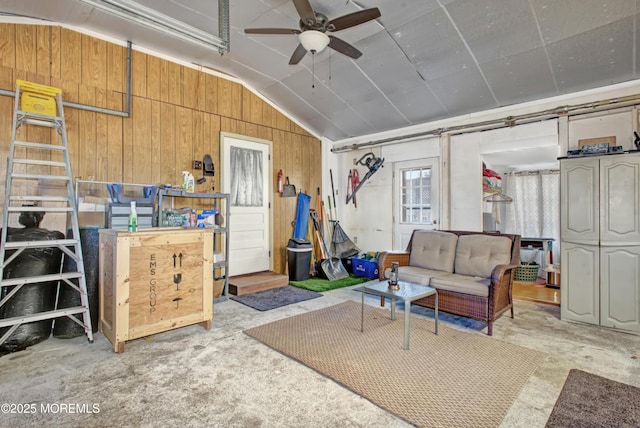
<point x="223" y="378"/>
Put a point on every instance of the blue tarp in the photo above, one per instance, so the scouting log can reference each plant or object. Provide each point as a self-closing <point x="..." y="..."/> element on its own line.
<point x="302" y="216"/>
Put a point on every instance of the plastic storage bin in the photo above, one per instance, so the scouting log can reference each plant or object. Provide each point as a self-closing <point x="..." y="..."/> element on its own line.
<point x="364" y="268"/>
<point x="299" y="258"/>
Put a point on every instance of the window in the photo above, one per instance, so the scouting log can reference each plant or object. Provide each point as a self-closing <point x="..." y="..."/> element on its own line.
<point x="415" y="195"/>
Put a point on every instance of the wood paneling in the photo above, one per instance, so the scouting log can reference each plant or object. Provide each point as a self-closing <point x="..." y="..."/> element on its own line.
<point x="86" y="143"/>
<point x="102" y="137"/>
<point x="116" y="67"/>
<point x="54" y="55"/>
<point x="141" y="142"/>
<point x="154" y="71"/>
<point x="94" y="62"/>
<point x="43" y="50"/>
<point x="26" y="48"/>
<point x="168" y="174"/>
<point x="70" y="56"/>
<point x="139" y="74"/>
<point x="177" y="114"/>
<point x="8" y="45"/>
<point x="114" y="138"/>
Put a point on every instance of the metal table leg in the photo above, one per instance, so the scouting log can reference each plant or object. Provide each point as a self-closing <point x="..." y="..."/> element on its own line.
<point x="436" y="311"/>
<point x="362" y="313"/>
<point x="393" y="308"/>
<point x="407" y="315"/>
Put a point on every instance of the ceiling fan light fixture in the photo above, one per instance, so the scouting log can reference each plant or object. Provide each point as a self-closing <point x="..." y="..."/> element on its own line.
<point x="314" y="41"/>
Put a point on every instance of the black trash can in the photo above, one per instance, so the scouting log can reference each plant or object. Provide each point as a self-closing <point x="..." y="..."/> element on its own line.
<point x="299" y="256"/>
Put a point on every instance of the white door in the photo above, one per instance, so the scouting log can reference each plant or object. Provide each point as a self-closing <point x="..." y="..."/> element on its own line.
<point x="416" y="198"/>
<point x="246" y="176"/>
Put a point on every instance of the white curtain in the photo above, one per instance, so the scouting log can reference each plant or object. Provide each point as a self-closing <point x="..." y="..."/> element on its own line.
<point x="246" y="177"/>
<point x="535" y="211"/>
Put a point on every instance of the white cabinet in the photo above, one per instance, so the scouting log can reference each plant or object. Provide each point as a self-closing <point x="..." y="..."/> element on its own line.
<point x="579" y="282"/>
<point x="619" y="291"/>
<point x="600" y="240"/>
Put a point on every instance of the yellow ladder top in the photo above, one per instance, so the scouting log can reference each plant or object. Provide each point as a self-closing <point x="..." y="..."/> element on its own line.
<point x="38" y="88"/>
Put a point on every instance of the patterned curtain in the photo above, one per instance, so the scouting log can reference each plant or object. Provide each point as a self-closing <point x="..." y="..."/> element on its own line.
<point x="246" y="177"/>
<point x="535" y="211"/>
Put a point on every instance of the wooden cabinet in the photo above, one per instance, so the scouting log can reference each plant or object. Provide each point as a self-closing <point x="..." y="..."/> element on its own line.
<point x="600" y="240"/>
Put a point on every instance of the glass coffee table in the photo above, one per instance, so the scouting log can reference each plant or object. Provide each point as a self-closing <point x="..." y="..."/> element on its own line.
<point x="408" y="292"/>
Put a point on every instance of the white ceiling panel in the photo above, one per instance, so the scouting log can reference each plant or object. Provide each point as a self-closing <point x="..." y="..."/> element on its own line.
<point x="463" y="92"/>
<point x="520" y="78"/>
<point x="434" y="45"/>
<point x="561" y="20"/>
<point x="577" y="67"/>
<point x="495" y="29"/>
<point x="421" y="61"/>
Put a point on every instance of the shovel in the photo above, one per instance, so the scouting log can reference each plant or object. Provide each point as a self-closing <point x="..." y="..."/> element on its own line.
<point x="332" y="267"/>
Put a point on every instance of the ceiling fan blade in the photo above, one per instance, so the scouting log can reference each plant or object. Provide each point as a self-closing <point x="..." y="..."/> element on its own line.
<point x="353" y="19"/>
<point x="305" y="11"/>
<point x="271" y="31"/>
<point x="298" y="54"/>
<point x="344" y="47"/>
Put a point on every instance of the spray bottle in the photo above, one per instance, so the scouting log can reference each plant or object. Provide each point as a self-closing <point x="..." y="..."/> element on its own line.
<point x="188" y="182"/>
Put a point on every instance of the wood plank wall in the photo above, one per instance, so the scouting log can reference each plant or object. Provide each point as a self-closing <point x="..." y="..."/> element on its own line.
<point x="177" y="114"/>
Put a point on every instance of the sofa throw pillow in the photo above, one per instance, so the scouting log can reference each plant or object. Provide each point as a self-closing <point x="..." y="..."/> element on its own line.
<point x="432" y="249"/>
<point x="477" y="255"/>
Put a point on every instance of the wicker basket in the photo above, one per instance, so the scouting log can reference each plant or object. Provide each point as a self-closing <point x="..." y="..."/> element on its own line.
<point x="526" y="273"/>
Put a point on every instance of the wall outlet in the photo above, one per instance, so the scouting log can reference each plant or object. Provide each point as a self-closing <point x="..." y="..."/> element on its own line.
<point x="355" y="239"/>
<point x="197" y="164"/>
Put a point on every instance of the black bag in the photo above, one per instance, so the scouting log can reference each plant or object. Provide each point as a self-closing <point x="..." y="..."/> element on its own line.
<point x="289" y="190"/>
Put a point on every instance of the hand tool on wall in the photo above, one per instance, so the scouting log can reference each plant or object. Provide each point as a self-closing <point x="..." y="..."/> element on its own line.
<point x="319" y="211"/>
<point x="349" y="186"/>
<point x="373" y="163"/>
<point x="355" y="182"/>
<point x="333" y="193"/>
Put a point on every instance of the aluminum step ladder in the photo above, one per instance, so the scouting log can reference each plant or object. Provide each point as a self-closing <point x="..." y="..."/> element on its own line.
<point x="41" y="106"/>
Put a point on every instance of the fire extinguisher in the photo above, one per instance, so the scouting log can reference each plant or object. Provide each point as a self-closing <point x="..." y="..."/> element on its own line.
<point x="280" y="181"/>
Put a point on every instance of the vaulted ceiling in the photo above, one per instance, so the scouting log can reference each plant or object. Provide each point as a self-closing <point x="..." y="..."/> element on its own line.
<point x="422" y="60"/>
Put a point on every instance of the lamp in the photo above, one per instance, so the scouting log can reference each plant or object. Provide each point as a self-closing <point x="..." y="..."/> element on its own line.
<point x="314" y="41"/>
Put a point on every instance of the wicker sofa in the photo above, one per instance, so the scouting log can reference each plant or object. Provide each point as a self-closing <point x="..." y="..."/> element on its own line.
<point x="472" y="271"/>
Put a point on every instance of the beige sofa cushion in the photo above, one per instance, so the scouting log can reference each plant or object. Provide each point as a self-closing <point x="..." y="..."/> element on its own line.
<point x="432" y="249"/>
<point x="477" y="255"/>
<point x="413" y="274"/>
<point x="461" y="284"/>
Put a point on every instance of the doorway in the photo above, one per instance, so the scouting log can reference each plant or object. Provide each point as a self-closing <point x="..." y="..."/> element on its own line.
<point x="416" y="198"/>
<point x="246" y="176"/>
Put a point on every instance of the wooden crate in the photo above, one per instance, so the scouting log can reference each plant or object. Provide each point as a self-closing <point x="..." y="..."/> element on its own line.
<point x="154" y="280"/>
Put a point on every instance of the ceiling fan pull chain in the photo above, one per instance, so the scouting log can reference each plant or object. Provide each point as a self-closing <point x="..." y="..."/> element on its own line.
<point x="313" y="70"/>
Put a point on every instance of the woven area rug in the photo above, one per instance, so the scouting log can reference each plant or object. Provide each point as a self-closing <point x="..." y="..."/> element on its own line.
<point x="588" y="400"/>
<point x="454" y="379"/>
<point x="275" y="297"/>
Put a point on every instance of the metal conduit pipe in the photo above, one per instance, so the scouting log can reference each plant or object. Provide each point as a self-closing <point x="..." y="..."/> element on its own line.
<point x="509" y="121"/>
<point x="127" y="107"/>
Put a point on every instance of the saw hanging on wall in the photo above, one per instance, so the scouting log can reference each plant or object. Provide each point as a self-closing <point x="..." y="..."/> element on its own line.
<point x="370" y="161"/>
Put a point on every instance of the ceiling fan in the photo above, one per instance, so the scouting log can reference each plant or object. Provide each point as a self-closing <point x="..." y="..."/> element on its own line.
<point x="314" y="25"/>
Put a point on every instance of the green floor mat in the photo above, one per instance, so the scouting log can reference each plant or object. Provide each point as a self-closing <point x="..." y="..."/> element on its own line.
<point x="320" y="284"/>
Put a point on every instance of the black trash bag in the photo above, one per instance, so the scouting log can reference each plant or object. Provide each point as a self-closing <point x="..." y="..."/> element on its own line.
<point x="64" y="327"/>
<point x="31" y="298"/>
